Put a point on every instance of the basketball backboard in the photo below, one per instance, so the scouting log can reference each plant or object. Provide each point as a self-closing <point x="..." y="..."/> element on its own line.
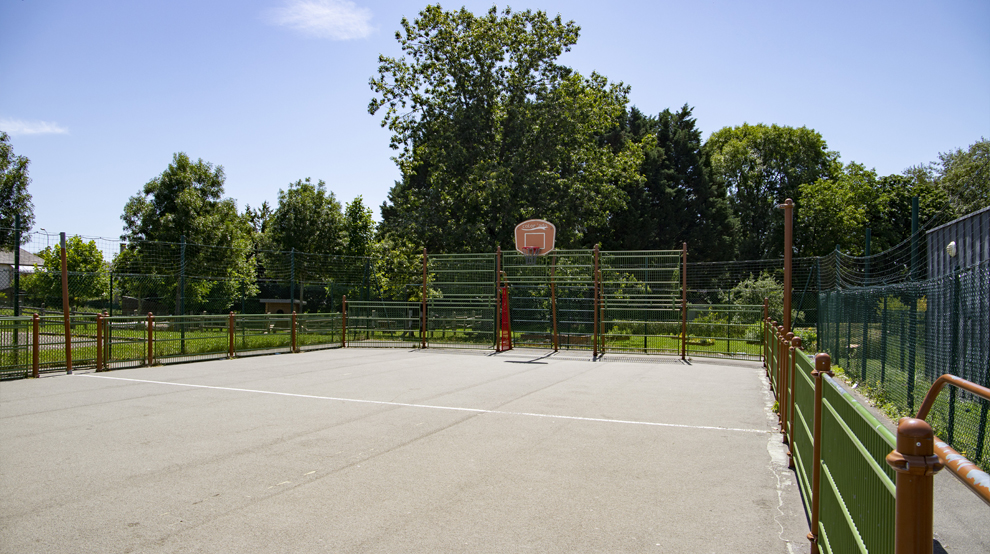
<point x="535" y="233"/>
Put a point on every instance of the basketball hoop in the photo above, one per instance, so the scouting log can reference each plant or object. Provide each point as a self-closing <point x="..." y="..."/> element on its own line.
<point x="531" y="253"/>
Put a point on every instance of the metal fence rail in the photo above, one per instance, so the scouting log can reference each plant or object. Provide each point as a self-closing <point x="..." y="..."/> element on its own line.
<point x="724" y="330"/>
<point x="319" y="331"/>
<point x="384" y="324"/>
<point x="839" y="451"/>
<point x="461" y="324"/>
<point x="16" y="345"/>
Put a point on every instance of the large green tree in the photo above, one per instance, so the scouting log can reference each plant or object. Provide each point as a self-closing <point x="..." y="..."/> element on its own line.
<point x="965" y="176"/>
<point x="308" y="219"/>
<point x="14" y="195"/>
<point x="88" y="277"/>
<point x="761" y="166"/>
<point x="838" y="210"/>
<point x="677" y="201"/>
<point x="186" y="204"/>
<point x="492" y="130"/>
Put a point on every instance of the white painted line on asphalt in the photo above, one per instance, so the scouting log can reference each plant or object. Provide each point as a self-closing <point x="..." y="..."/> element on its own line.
<point x="432" y="407"/>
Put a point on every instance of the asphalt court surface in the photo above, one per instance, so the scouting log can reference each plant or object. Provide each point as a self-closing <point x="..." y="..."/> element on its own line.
<point x="360" y="450"/>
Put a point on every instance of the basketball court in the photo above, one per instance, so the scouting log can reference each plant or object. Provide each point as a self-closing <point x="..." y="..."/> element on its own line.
<point x="377" y="450"/>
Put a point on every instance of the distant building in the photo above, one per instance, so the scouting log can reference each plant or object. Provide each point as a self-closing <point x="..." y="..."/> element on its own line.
<point x="280" y="305"/>
<point x="959" y="244"/>
<point x="27" y="263"/>
<point x="957" y="299"/>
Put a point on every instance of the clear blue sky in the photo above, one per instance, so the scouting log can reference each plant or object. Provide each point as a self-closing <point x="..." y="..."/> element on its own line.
<point x="100" y="94"/>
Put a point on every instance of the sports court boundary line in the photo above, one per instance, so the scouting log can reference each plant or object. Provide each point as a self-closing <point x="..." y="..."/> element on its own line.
<point x="432" y="407"/>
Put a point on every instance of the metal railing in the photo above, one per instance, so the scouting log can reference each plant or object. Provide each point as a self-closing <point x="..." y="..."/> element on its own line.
<point x="864" y="489"/>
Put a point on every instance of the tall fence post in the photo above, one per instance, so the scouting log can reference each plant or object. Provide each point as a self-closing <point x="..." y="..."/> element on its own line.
<point x="294" y="349"/>
<point x="151" y="339"/>
<point x="684" y="301"/>
<point x="17" y="268"/>
<point x="823" y="366"/>
<point x="292" y="276"/>
<point x="182" y="292"/>
<point x="230" y="335"/>
<point x="788" y="207"/>
<point x="17" y="281"/>
<point x="594" y="306"/>
<point x="343" y="322"/>
<point x="65" y="306"/>
<point x="422" y="310"/>
<point x="35" y="347"/>
<point x="916" y="464"/>
<point x="498" y="299"/>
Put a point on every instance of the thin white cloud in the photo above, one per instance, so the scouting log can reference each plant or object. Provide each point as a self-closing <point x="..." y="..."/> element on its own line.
<point x="333" y="19"/>
<point x="16" y="127"/>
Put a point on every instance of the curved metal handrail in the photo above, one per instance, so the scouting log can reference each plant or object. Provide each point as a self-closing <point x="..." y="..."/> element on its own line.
<point x="966" y="471"/>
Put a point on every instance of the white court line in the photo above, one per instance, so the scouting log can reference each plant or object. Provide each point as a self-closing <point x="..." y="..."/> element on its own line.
<point x="432" y="407"/>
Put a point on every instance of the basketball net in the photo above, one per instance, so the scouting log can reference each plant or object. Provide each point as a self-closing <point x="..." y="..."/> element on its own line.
<point x="531" y="253"/>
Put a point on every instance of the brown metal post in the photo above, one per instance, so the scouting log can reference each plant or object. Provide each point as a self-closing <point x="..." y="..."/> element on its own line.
<point x="788" y="207"/>
<point x="498" y="299"/>
<point x="785" y="348"/>
<point x="766" y="318"/>
<point x="294" y="349"/>
<point x="684" y="302"/>
<point x="99" y="342"/>
<point x="794" y="352"/>
<point x="343" y="323"/>
<point x="35" y="347"/>
<point x="230" y="335"/>
<point x="553" y="300"/>
<point x="65" y="306"/>
<point x="782" y="383"/>
<point x="422" y="311"/>
<point x="792" y="379"/>
<point x="916" y="464"/>
<point x="151" y="339"/>
<point x="823" y="366"/>
<point x="594" y="328"/>
<point x="772" y="353"/>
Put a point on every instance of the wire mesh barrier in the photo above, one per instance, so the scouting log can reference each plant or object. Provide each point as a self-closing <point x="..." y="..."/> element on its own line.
<point x="724" y="330"/>
<point x="384" y="324"/>
<point x="17" y="342"/>
<point x="641" y="301"/>
<point x="896" y="340"/>
<point x="319" y="331"/>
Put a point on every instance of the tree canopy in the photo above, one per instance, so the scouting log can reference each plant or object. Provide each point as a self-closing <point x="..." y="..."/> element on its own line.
<point x="677" y="201"/>
<point x="761" y="166"/>
<point x="965" y="176"/>
<point x="88" y="277"/>
<point x="186" y="204"/>
<point x="14" y="195"/>
<point x="492" y="131"/>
